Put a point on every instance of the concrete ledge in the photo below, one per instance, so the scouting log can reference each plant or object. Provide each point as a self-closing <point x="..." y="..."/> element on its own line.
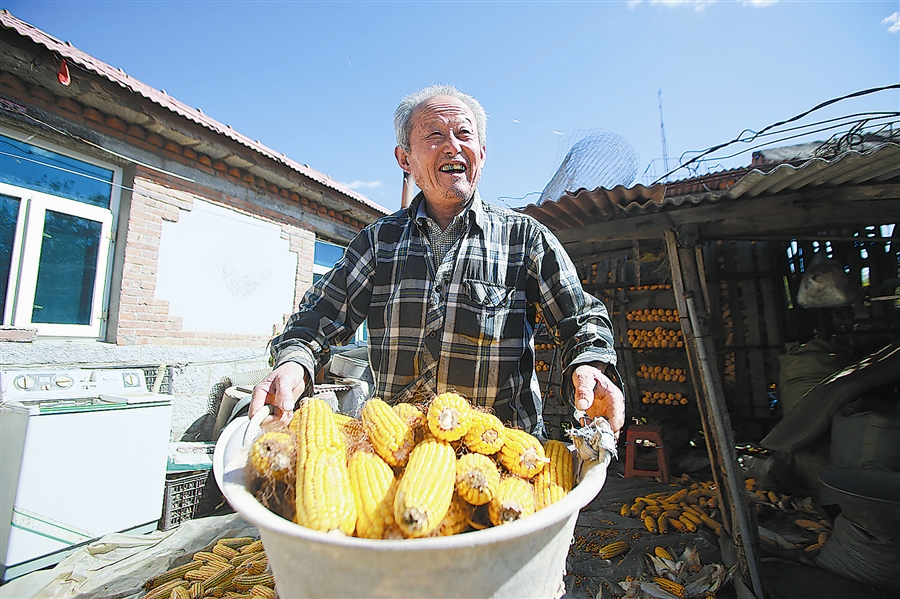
<point x="17" y="334"/>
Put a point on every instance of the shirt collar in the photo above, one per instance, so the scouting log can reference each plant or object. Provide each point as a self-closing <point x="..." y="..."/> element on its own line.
<point x="474" y="211"/>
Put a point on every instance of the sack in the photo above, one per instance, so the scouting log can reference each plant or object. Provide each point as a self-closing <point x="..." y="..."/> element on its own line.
<point x="802" y="367"/>
<point x="861" y="555"/>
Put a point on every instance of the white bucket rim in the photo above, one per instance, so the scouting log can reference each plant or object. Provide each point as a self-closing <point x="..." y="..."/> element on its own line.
<point x="230" y="477"/>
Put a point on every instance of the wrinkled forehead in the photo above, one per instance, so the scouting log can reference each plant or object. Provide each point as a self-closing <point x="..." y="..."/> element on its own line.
<point x="444" y="109"/>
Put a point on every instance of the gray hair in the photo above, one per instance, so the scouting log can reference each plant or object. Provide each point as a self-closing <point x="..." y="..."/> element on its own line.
<point x="403" y="114"/>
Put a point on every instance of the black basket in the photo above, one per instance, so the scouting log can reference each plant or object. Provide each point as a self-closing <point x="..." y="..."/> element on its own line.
<point x="190" y="494"/>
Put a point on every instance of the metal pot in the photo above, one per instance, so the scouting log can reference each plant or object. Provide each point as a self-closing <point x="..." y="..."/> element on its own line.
<point x="869" y="498"/>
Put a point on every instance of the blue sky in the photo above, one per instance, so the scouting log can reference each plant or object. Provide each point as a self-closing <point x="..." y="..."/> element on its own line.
<point x="319" y="81"/>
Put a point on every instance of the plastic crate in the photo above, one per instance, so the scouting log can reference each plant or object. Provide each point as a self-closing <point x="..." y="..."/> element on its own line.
<point x="188" y="495"/>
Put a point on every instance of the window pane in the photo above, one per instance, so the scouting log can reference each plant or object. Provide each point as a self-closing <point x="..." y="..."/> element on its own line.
<point x="35" y="168"/>
<point x="327" y="254"/>
<point x="9" y="214"/>
<point x="67" y="270"/>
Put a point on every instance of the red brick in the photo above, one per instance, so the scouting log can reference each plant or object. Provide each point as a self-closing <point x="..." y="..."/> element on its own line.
<point x="173" y="147"/>
<point x="156" y="140"/>
<point x="136" y="131"/>
<point x="205" y="160"/>
<point x="235" y="172"/>
<point x="116" y="123"/>
<point x="68" y="104"/>
<point x="220" y="166"/>
<point x="189" y="154"/>
<point x="9" y="80"/>
<point x="36" y="91"/>
<point x="93" y="115"/>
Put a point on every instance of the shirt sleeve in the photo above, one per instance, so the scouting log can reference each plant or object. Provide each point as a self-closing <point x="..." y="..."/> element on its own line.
<point x="331" y="310"/>
<point x="578" y="321"/>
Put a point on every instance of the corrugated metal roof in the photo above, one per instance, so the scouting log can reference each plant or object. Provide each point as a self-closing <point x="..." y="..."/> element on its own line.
<point x="850" y="168"/>
<point x="119" y="77"/>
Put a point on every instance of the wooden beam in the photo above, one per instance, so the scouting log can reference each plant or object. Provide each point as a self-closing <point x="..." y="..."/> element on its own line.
<point x="693" y="313"/>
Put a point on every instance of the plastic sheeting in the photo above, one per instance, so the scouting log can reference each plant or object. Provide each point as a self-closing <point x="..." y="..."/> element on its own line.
<point x="117" y="565"/>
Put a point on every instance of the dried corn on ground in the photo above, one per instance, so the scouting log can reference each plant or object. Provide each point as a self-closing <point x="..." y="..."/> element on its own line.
<point x="232" y="566"/>
<point x="427" y="494"/>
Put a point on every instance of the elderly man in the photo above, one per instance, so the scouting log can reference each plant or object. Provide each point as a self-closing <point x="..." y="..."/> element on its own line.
<point x="451" y="287"/>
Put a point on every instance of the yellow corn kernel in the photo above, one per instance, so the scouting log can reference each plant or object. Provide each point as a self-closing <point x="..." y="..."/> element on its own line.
<point x="514" y="500"/>
<point x="669" y="586"/>
<point x="324" y="496"/>
<point x="477" y="478"/>
<point x="426" y="488"/>
<point x="553" y="482"/>
<point x="611" y="550"/>
<point x="219" y="578"/>
<point x="180" y="592"/>
<point x="449" y="415"/>
<point x="254" y="547"/>
<point x="677" y="496"/>
<point x="663" y="553"/>
<point x="391" y="436"/>
<point x="457" y="518"/>
<point x="224" y="551"/>
<point x="315" y="429"/>
<point x="352" y="428"/>
<point x="522" y="454"/>
<point x="374" y="485"/>
<point x="486" y="433"/>
<point x="650" y="523"/>
<point x="245" y="582"/>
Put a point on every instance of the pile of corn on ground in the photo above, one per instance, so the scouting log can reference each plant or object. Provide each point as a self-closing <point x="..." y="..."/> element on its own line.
<point x="617" y="538"/>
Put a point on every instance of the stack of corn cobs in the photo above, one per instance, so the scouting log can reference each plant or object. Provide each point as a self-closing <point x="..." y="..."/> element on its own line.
<point x="682" y="511"/>
<point x="404" y="472"/>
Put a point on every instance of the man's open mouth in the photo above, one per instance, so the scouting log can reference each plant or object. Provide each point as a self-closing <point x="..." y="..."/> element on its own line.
<point x="453" y="168"/>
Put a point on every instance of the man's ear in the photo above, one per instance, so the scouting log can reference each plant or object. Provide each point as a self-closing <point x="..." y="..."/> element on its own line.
<point x="402" y="157"/>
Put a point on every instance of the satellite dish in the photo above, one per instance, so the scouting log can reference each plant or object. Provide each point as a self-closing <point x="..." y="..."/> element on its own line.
<point x="597" y="158"/>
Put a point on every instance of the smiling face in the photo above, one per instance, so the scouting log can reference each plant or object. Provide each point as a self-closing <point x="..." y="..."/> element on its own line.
<point x="445" y="155"/>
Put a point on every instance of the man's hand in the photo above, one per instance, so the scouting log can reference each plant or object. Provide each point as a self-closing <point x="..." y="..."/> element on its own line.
<point x="280" y="389"/>
<point x="597" y="395"/>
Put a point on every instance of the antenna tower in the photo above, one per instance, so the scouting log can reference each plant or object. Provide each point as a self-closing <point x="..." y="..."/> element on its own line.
<point x="662" y="130"/>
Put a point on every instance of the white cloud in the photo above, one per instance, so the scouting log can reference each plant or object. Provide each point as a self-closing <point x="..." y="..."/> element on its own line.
<point x="363" y="184"/>
<point x="759" y="3"/>
<point x="892" y="22"/>
<point x="695" y="4"/>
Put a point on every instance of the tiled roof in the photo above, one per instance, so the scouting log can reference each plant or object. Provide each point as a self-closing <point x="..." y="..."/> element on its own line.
<point x="118" y="76"/>
<point x="877" y="165"/>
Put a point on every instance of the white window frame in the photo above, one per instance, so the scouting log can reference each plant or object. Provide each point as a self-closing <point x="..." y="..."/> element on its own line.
<point x="28" y="242"/>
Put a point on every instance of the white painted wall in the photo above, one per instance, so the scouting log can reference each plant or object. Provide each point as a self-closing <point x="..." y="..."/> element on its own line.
<point x="225" y="272"/>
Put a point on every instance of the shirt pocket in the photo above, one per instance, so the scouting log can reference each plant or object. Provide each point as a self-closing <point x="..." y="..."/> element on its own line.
<point x="484" y="309"/>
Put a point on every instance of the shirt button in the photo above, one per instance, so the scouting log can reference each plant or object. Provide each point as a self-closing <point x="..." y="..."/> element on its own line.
<point x="432" y="334"/>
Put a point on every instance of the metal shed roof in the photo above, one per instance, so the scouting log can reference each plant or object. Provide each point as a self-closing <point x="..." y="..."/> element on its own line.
<point x="119" y="77"/>
<point x="878" y="165"/>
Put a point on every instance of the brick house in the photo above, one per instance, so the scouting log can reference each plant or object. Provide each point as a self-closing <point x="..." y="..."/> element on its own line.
<point x="137" y="231"/>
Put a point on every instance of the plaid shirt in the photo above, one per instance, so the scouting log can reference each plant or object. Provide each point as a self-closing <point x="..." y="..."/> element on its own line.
<point x="467" y="323"/>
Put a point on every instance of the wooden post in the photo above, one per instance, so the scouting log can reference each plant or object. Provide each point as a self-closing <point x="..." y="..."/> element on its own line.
<point x="693" y="313"/>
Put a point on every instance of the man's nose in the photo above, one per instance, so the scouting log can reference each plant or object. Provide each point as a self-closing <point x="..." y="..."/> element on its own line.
<point x="452" y="144"/>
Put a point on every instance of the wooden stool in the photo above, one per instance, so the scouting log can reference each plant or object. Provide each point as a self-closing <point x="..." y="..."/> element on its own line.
<point x="649" y="433"/>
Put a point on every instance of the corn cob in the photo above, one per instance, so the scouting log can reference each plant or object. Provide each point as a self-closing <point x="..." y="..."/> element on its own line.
<point x="663" y="553"/>
<point x="514" y="500"/>
<point x="350" y="427"/>
<point x="486" y="433"/>
<point x="220" y="578"/>
<point x="676" y="524"/>
<point x="254" y="547"/>
<point x="315" y="429"/>
<point x="677" y="496"/>
<point x="650" y="523"/>
<point x="272" y="456"/>
<point x="611" y="550"/>
<point x="224" y="551"/>
<point x="813" y="547"/>
<point x="391" y="436"/>
<point x="477" y="478"/>
<point x="811" y="525"/>
<point x="245" y="582"/>
<point x="669" y="586"/>
<point x="165" y="589"/>
<point x="625" y="511"/>
<point x="688" y="524"/>
<point x="374" y="485"/>
<point x="556" y="479"/>
<point x="449" y="415"/>
<point x="426" y="488"/>
<point x="662" y="525"/>
<point x="171" y="574"/>
<point x="208" y="557"/>
<point x="522" y="454"/>
<point x="262" y="591"/>
<point x="415" y="418"/>
<point x="457" y="518"/>
<point x="235" y="542"/>
<point x="324" y="497"/>
<point x="180" y="592"/>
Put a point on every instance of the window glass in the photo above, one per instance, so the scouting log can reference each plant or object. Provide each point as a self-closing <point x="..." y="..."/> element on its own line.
<point x="31" y="167"/>
<point x="9" y="212"/>
<point x="67" y="270"/>
<point x="327" y="254"/>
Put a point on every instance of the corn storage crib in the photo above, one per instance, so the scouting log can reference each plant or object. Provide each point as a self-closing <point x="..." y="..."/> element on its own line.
<point x="521" y="559"/>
